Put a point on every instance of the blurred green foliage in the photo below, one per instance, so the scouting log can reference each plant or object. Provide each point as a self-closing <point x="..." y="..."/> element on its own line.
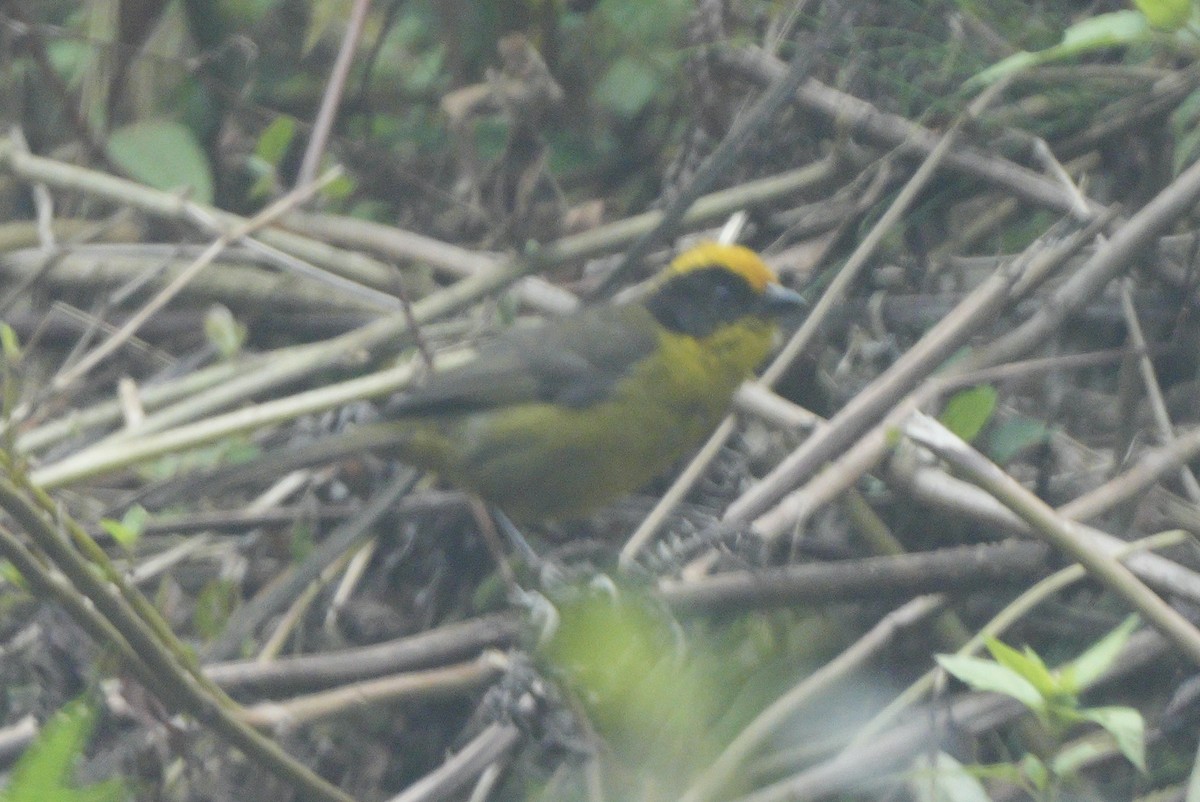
<point x="667" y="696"/>
<point x="968" y="411"/>
<point x="219" y="95"/>
<point x="651" y="695"/>
<point x="43" y="774"/>
<point x="1053" y="696"/>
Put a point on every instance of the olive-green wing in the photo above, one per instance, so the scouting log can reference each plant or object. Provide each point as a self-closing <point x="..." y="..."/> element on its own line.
<point x="573" y="361"/>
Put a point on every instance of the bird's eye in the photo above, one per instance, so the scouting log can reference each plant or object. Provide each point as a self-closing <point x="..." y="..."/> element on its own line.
<point x="722" y="293"/>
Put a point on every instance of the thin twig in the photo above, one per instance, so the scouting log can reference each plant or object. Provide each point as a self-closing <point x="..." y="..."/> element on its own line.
<point x="171" y="675"/>
<point x="768" y="722"/>
<point x="333" y="93"/>
<point x="720" y="160"/>
<point x="260" y="220"/>
<point x="445" y="644"/>
<point x="436" y="683"/>
<point x="862" y="414"/>
<point x="938" y="488"/>
<point x="485" y="749"/>
<point x="897" y="131"/>
<point x="291" y="583"/>
<point x="1158" y="405"/>
<point x="1056" y="530"/>
<point x="1013" y="612"/>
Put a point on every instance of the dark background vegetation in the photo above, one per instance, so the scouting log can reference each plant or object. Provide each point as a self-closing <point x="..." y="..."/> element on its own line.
<point x="479" y="142"/>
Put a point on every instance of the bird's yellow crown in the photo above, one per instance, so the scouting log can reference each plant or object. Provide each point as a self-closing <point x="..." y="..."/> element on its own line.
<point x="736" y="258"/>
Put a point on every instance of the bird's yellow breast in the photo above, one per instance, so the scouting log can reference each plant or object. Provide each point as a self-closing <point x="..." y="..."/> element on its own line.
<point x="544" y="461"/>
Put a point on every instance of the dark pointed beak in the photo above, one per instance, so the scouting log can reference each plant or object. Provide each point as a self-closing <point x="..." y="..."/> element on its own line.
<point x="778" y="301"/>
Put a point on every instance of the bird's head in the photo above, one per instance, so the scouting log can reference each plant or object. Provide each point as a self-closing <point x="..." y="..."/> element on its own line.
<point x="711" y="286"/>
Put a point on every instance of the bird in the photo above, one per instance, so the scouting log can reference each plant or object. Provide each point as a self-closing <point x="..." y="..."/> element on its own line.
<point x="551" y="421"/>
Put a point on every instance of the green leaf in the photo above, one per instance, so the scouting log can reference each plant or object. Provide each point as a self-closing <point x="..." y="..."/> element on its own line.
<point x="162" y="154"/>
<point x="1087" y="36"/>
<point x="43" y="772"/>
<point x="1009" y="438"/>
<point x="1027" y="664"/>
<point x="1017" y="62"/>
<point x="339" y="188"/>
<point x="1034" y="771"/>
<point x="1089" y="666"/>
<point x="627" y="87"/>
<point x="107" y="791"/>
<point x="618" y="654"/>
<point x="1126" y="727"/>
<point x="968" y="411"/>
<point x="1166" y="15"/>
<point x="10" y="574"/>
<point x="944" y="779"/>
<point x="1008" y="773"/>
<point x="119" y="532"/>
<point x="1102" y="30"/>
<point x="223" y="331"/>
<point x="275" y="139"/>
<point x="1071" y="759"/>
<point x="10" y="343"/>
<point x="127" y="531"/>
<point x="266" y="180"/>
<point x="985" y="675"/>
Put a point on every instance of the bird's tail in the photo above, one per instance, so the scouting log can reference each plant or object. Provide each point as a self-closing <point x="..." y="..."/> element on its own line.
<point x="377" y="437"/>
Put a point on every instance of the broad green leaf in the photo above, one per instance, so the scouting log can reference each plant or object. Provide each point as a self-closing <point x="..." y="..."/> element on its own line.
<point x="125" y="536"/>
<point x="1126" y="727"/>
<point x="275" y="139"/>
<point x="107" y="791"/>
<point x="1089" y="666"/>
<point x="266" y="181"/>
<point x="163" y="154"/>
<point x="1027" y="664"/>
<point x="1017" y="62"/>
<point x="44" y="771"/>
<point x="1166" y="15"/>
<point x="986" y="675"/>
<point x="968" y="411"/>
